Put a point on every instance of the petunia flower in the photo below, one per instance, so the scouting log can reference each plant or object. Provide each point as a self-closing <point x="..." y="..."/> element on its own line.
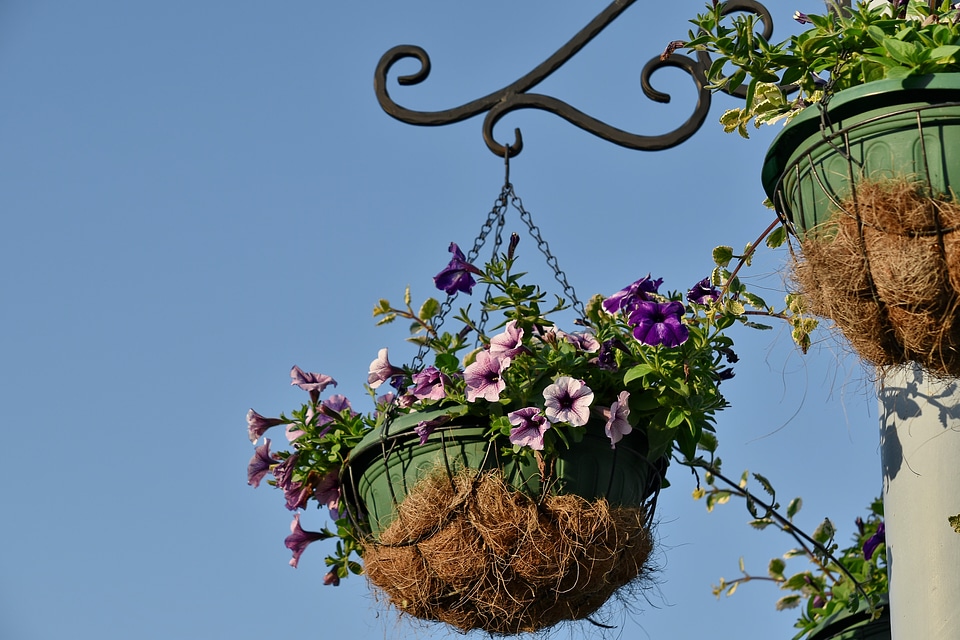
<point x="802" y="18"/>
<point x="328" y="492"/>
<point x="703" y="292"/>
<point x="257" y="425"/>
<point x="617" y="425"/>
<point x="509" y="343"/>
<point x="568" y="400"/>
<point x="315" y="383"/>
<point x="658" y="323"/>
<point x="296" y="493"/>
<point x="628" y="297"/>
<point x="456" y="275"/>
<point x="607" y="355"/>
<point x="338" y="403"/>
<point x="529" y="426"/>
<point x="425" y="427"/>
<point x="381" y="370"/>
<point x="298" y="540"/>
<point x="874" y="541"/>
<point x="483" y="377"/>
<point x="583" y="341"/>
<point x="260" y="464"/>
<point x="293" y="429"/>
<point x="430" y="384"/>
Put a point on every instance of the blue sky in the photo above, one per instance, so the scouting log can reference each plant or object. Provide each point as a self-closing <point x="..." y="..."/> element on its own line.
<point x="199" y="195"/>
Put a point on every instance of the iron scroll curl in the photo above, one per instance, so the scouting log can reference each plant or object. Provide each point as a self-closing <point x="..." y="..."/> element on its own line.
<point x="515" y="96"/>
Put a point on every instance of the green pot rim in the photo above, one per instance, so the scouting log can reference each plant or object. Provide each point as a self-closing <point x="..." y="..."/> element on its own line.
<point x="880" y="94"/>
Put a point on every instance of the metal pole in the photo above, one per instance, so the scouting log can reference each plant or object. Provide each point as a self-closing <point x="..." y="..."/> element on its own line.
<point x="920" y="454"/>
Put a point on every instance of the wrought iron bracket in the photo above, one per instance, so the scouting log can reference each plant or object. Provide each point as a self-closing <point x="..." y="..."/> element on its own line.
<point x="515" y="95"/>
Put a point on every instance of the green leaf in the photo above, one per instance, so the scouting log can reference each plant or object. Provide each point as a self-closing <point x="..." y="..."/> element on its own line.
<point x="428" y="309"/>
<point x="945" y="53"/>
<point x="788" y="602"/>
<point x="777" y="237"/>
<point x="825" y="532"/>
<point x="406" y="297"/>
<point x="906" y="53"/>
<point x="446" y="362"/>
<point x="722" y="255"/>
<point x="775" y="569"/>
<point x="676" y="417"/>
<point x="794" y="507"/>
<point x="638" y="371"/>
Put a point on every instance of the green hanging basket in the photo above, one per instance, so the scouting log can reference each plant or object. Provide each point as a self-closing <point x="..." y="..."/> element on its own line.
<point x="904" y="128"/>
<point x="848" y="625"/>
<point x="389" y="463"/>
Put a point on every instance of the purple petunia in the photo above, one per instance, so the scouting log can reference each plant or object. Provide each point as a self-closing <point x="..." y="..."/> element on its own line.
<point x="802" y="18"/>
<point x="296" y="493"/>
<point x="328" y="492"/>
<point x="381" y="370"/>
<point x="617" y="425"/>
<point x="658" y="323"/>
<point x="529" y="426"/>
<point x="607" y="356"/>
<point x="703" y="292"/>
<point x="315" y="383"/>
<point x="583" y="341"/>
<point x="874" y="541"/>
<point x="509" y="343"/>
<point x="456" y="275"/>
<point x="483" y="377"/>
<point x="260" y="464"/>
<point x="568" y="400"/>
<point x="298" y="540"/>
<point x="257" y="424"/>
<point x="628" y="297"/>
<point x="430" y="384"/>
<point x="425" y="427"/>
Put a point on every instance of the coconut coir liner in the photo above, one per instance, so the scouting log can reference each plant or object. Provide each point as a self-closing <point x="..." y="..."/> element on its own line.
<point x="476" y="554"/>
<point x="886" y="270"/>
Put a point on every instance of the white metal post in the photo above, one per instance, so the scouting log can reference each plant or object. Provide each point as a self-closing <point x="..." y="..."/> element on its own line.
<point x="920" y="452"/>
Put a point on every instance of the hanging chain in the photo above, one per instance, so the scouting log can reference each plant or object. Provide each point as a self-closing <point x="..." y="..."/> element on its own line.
<point x="496" y="221"/>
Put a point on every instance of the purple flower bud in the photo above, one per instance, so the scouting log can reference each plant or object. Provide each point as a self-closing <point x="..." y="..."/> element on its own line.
<point x="802" y="18"/>
<point x="671" y="47"/>
<point x="332" y="578"/>
<point x="874" y="541"/>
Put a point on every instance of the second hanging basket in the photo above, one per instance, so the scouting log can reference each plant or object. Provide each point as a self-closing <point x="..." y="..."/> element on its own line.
<point x="867" y="183"/>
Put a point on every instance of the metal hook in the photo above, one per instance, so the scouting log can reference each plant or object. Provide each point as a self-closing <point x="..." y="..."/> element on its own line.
<point x="506" y="166"/>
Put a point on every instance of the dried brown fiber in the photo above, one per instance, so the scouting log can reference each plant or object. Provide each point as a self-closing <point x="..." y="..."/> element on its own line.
<point x="474" y="553"/>
<point x="886" y="270"/>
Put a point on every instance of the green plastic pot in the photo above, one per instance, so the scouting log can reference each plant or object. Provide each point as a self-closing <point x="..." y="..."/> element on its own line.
<point x="906" y="128"/>
<point x="848" y="625"/>
<point x="385" y="466"/>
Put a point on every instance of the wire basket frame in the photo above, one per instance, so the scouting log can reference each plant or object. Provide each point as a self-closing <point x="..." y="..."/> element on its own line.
<point x="817" y="182"/>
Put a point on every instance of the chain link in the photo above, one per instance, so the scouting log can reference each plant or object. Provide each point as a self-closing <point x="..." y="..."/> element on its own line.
<point x="496" y="221"/>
